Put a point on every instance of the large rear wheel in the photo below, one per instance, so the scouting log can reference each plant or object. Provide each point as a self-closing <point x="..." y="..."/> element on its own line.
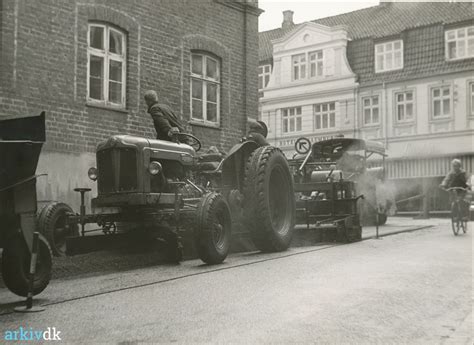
<point x="212" y="235"/>
<point x="269" y="201"/>
<point x="16" y="266"/>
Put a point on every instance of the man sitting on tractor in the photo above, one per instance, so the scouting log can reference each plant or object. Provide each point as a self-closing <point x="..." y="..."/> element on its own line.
<point x="457" y="177"/>
<point x="164" y="119"/>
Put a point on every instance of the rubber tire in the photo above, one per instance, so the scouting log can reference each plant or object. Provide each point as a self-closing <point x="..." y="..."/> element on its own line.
<point x="259" y="195"/>
<point x="16" y="266"/>
<point x="46" y="223"/>
<point x="211" y="206"/>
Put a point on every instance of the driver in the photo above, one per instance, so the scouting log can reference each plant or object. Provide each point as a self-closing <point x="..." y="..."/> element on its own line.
<point x="164" y="119"/>
<point x="258" y="133"/>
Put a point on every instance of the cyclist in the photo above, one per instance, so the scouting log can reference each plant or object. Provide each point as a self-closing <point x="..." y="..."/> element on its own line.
<point x="458" y="177"/>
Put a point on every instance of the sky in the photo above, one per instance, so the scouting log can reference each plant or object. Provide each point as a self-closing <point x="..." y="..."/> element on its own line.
<point x="305" y="10"/>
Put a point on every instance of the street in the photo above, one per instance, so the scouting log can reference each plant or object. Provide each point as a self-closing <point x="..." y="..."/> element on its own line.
<point x="413" y="287"/>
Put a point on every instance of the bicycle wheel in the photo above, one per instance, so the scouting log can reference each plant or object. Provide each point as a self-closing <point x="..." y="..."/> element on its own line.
<point x="455" y="220"/>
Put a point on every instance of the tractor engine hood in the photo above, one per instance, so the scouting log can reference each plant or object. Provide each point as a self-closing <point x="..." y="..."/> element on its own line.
<point x="128" y="141"/>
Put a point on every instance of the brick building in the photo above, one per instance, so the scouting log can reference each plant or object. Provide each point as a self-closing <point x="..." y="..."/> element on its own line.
<point x="87" y="64"/>
<point x="400" y="73"/>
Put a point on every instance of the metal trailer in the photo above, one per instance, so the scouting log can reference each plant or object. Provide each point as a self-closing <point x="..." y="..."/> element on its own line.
<point x="21" y="140"/>
<point x="360" y="161"/>
<point x="327" y="201"/>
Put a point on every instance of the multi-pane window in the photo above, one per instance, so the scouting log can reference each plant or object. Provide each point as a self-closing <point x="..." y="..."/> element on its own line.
<point x="264" y="73"/>
<point x="205" y="88"/>
<point x="471" y="98"/>
<point x="389" y="56"/>
<point x="106" y="65"/>
<point x="404" y="106"/>
<point x="441" y="101"/>
<point x="299" y="66"/>
<point x="316" y="64"/>
<point x="292" y="120"/>
<point x="460" y="43"/>
<point x="324" y="115"/>
<point x="371" y="110"/>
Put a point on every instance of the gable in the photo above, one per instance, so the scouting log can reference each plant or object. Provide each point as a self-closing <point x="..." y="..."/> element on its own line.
<point x="307" y="35"/>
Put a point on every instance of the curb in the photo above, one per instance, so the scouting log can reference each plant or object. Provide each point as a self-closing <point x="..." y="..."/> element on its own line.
<point x="397" y="232"/>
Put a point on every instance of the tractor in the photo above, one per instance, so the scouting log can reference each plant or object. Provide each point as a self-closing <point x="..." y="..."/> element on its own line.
<point x="151" y="186"/>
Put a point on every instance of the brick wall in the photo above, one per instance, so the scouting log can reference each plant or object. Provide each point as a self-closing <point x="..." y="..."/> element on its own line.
<point x="43" y="65"/>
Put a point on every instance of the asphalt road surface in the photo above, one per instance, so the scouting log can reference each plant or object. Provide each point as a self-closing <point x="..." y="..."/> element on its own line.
<point x="408" y="288"/>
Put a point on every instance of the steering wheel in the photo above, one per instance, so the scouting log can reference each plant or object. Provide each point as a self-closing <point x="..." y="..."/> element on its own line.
<point x="190" y="140"/>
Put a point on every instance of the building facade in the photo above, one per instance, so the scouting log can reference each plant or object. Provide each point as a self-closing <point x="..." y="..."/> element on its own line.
<point x="398" y="73"/>
<point x="88" y="63"/>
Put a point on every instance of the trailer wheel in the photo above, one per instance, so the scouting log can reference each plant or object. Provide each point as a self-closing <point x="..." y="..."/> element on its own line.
<point x="212" y="234"/>
<point x="52" y="224"/>
<point x="16" y="266"/>
<point x="269" y="202"/>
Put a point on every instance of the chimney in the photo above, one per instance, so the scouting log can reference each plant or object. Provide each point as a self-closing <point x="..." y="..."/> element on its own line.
<point x="287" y="19"/>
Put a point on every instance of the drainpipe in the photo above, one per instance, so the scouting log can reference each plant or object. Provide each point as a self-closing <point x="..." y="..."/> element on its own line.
<point x="385" y="100"/>
<point x="356" y="111"/>
<point x="245" y="69"/>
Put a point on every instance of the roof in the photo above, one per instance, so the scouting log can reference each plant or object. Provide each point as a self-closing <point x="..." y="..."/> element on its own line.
<point x="341" y="145"/>
<point x="381" y="21"/>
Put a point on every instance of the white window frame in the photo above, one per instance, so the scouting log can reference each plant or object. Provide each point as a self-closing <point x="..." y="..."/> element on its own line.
<point x="452" y="36"/>
<point x="314" y="59"/>
<point x="441" y="98"/>
<point x="321" y="113"/>
<point x="385" y="50"/>
<point x="298" y="62"/>
<point x="290" y="116"/>
<point x="404" y="104"/>
<point x="371" y="108"/>
<point x="264" y="73"/>
<point x="205" y="81"/>
<point x="470" y="98"/>
<point x="107" y="56"/>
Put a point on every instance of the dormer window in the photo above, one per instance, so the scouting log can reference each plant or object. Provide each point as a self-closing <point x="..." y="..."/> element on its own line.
<point x="460" y="43"/>
<point x="316" y="64"/>
<point x="307" y="65"/>
<point x="389" y="56"/>
<point x="299" y="66"/>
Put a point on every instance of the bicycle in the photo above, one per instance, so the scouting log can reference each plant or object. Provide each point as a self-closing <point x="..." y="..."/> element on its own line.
<point x="459" y="218"/>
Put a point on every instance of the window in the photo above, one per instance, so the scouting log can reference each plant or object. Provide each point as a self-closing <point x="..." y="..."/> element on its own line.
<point x="316" y="64"/>
<point x="264" y="76"/>
<point x="324" y="115"/>
<point x="106" y="65"/>
<point x="205" y="88"/>
<point x="299" y="66"/>
<point x="389" y="56"/>
<point x="460" y="43"/>
<point x="291" y="120"/>
<point x="404" y="106"/>
<point x="470" y="95"/>
<point x="370" y="108"/>
<point x="441" y="102"/>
